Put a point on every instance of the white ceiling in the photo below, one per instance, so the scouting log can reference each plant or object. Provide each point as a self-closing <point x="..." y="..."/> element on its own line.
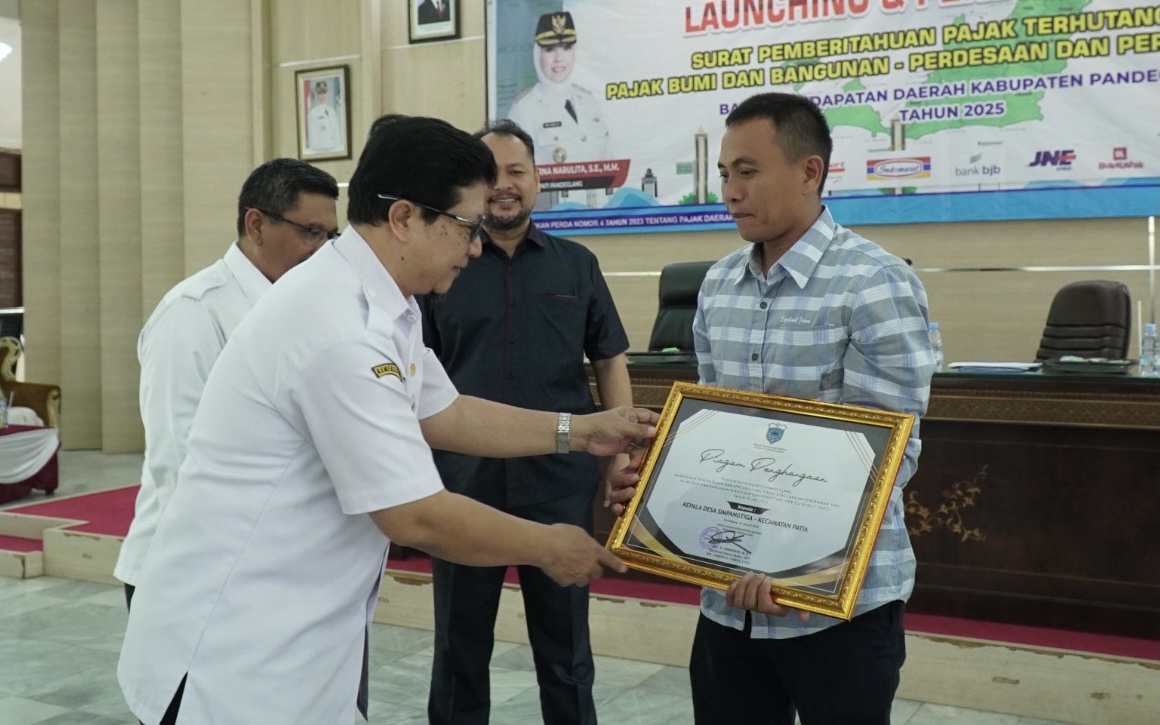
<point x="10" y="108"/>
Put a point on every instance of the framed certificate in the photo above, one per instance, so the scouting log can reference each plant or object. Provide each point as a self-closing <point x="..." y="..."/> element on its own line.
<point x="737" y="482"/>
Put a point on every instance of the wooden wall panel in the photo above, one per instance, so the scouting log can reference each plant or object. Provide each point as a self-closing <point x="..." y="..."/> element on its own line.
<point x="119" y="227"/>
<point x="985" y="315"/>
<point x="80" y="331"/>
<point x="306" y="35"/>
<point x="162" y="201"/>
<point x="41" y="170"/>
<point x="217" y="141"/>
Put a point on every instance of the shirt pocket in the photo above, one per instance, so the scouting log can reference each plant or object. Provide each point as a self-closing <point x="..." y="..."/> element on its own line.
<point x="807" y="361"/>
<point x="563" y="314"/>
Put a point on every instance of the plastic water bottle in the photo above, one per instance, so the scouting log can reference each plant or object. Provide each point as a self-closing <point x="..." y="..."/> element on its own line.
<point x="1150" y="353"/>
<point x="3" y="412"/>
<point x="936" y="346"/>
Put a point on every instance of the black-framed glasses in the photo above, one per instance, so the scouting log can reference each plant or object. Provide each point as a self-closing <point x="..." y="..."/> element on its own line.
<point x="315" y="235"/>
<point x="474" y="227"/>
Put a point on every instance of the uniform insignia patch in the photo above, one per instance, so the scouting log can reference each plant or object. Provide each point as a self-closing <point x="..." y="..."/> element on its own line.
<point x="387" y="369"/>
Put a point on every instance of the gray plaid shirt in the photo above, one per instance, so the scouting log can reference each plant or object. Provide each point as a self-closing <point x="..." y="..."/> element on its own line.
<point x="838" y="319"/>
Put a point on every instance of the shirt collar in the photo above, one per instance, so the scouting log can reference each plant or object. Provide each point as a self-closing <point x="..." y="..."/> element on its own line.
<point x="800" y="260"/>
<point x="533" y="235"/>
<point x="253" y="283"/>
<point x="378" y="285"/>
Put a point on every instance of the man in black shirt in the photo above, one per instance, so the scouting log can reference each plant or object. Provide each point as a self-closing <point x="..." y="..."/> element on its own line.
<point x="515" y="328"/>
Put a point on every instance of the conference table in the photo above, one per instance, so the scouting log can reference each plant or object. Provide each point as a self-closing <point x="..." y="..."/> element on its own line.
<point x="28" y="460"/>
<point x="1036" y="501"/>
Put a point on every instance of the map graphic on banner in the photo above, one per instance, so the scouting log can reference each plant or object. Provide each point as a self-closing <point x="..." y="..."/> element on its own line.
<point x="940" y="110"/>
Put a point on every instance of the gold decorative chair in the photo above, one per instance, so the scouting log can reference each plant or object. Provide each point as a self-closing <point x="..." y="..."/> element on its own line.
<point x="42" y="398"/>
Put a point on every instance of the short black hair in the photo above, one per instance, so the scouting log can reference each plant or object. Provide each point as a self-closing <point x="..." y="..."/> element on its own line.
<point x="275" y="186"/>
<point x="424" y="160"/>
<point x="507" y="127"/>
<point x="801" y="126"/>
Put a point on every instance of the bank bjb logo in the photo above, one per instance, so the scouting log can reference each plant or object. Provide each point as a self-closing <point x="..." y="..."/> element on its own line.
<point x="1059" y="159"/>
<point x="976" y="168"/>
<point x="775" y="432"/>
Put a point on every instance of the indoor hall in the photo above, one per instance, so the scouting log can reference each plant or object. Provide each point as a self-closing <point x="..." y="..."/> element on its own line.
<point x="141" y="120"/>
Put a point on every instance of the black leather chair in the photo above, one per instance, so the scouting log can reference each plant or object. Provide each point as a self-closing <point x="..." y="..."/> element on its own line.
<point x="1088" y="319"/>
<point x="679" y="285"/>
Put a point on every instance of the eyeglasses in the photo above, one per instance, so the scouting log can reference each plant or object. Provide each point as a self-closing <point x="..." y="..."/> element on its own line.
<point x="314" y="235"/>
<point x="473" y="227"/>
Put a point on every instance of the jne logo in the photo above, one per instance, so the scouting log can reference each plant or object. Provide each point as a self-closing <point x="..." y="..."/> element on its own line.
<point x="1061" y="159"/>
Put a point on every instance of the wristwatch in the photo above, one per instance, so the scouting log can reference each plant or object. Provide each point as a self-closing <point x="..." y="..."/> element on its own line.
<point x="564" y="433"/>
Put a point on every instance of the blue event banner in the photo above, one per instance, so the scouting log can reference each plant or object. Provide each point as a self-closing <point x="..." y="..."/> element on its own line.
<point x="940" y="110"/>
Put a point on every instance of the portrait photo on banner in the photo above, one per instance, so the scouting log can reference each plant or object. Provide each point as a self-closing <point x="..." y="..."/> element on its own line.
<point x="432" y="20"/>
<point x="323" y="110"/>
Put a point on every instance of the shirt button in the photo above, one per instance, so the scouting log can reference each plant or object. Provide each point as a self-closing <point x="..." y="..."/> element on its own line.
<point x="410" y="317"/>
<point x="764" y="305"/>
<point x="753" y="357"/>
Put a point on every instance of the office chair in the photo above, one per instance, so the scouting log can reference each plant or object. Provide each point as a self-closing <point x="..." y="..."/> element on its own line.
<point x="679" y="285"/>
<point x="1088" y="319"/>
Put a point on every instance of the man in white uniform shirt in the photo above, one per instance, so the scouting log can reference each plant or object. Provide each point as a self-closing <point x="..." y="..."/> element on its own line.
<point x="309" y="454"/>
<point x="323" y="125"/>
<point x="286" y="210"/>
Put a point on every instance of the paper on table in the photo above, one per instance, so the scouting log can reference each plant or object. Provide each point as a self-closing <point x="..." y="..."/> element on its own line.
<point x="995" y="367"/>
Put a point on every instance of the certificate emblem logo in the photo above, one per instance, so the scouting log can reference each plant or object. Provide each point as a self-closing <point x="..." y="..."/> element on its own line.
<point x="710" y="538"/>
<point x="775" y="432"/>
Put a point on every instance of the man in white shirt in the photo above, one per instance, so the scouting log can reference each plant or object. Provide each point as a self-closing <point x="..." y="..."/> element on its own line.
<point x="309" y="454"/>
<point x="323" y="125"/>
<point x="286" y="210"/>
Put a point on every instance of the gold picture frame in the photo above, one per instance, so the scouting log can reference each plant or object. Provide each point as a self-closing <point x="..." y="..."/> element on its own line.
<point x="322" y="97"/>
<point x="738" y="481"/>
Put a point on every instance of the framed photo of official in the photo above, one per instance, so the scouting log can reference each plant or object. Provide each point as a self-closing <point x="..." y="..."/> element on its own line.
<point x="432" y="20"/>
<point x="737" y="482"/>
<point x="323" y="112"/>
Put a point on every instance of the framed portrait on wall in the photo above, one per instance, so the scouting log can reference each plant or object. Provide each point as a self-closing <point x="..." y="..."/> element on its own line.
<point x="432" y="20"/>
<point x="323" y="111"/>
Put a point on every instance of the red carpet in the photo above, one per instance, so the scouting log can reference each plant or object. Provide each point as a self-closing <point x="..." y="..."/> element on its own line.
<point x="109" y="513"/>
<point x="105" y="512"/>
<point x="15" y="543"/>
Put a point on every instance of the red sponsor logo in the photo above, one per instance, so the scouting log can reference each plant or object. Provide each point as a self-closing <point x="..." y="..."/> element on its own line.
<point x="1120" y="160"/>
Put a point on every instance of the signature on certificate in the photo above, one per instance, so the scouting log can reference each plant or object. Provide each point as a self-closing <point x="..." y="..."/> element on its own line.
<point x="730" y="538"/>
<point x="763" y="465"/>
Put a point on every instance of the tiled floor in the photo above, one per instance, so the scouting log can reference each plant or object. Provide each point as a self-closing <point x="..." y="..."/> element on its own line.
<point x="59" y="641"/>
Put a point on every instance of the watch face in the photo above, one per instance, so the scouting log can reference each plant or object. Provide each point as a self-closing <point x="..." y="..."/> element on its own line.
<point x="564" y="433"/>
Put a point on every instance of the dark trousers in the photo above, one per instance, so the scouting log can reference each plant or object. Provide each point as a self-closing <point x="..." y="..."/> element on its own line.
<point x="170" y="717"/>
<point x="466" y="603"/>
<point x="843" y="675"/>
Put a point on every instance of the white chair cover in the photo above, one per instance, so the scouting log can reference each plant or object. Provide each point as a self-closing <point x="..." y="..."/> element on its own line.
<point x="24" y="453"/>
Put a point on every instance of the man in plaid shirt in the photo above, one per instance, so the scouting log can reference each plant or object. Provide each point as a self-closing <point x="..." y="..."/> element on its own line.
<point x="810" y="310"/>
